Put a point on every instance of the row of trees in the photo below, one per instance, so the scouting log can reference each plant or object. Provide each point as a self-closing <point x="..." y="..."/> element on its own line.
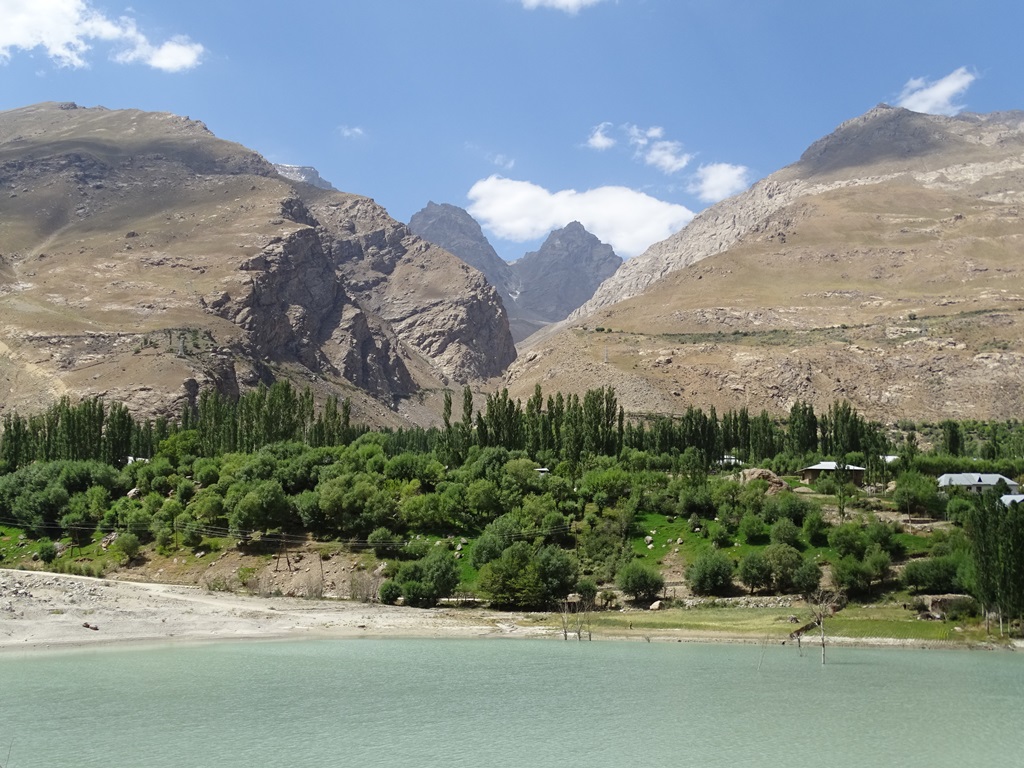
<point x="548" y="429"/>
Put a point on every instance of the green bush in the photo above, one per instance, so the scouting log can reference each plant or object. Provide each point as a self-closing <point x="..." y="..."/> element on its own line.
<point x="389" y="592"/>
<point x="784" y="561"/>
<point x="807" y="578"/>
<point x="752" y="529"/>
<point x="719" y="535"/>
<point x="639" y="581"/>
<point x="128" y="545"/>
<point x="383" y="541"/>
<point x="784" y="531"/>
<point x="851" y="575"/>
<point x="933" y="575"/>
<point x="849" y="540"/>
<point x="815" y="529"/>
<point x="755" y="571"/>
<point x="710" y="573"/>
<point x="47" y="551"/>
<point x="587" y="590"/>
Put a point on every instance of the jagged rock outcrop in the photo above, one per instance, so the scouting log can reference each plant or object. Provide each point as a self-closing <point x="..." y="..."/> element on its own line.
<point x="457" y="232"/>
<point x="142" y="258"/>
<point x="542" y="287"/>
<point x="306" y="174"/>
<point x="565" y="272"/>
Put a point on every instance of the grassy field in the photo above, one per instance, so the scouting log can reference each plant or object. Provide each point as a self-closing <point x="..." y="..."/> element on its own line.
<point x="870" y="624"/>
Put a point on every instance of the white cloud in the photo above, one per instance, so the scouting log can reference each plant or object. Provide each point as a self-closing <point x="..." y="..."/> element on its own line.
<point x="569" y="6"/>
<point x="65" y="30"/>
<point x="599" y="138"/>
<point x="175" y="55"/>
<point x="667" y="156"/>
<point x="351" y="131"/>
<point x="717" y="181"/>
<point x="624" y="218"/>
<point x="502" y="161"/>
<point x="937" y="97"/>
<point x="641" y="137"/>
<point x="657" y="151"/>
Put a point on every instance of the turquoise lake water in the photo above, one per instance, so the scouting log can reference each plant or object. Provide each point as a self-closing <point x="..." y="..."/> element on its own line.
<point x="428" y="703"/>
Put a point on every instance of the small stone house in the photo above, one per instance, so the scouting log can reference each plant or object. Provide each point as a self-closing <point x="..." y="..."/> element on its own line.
<point x="811" y="474"/>
<point x="975" y="482"/>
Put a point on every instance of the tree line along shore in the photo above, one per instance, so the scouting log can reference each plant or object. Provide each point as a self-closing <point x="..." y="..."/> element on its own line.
<point x="524" y="504"/>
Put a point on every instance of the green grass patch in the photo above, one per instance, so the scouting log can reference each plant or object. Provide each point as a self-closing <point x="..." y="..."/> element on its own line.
<point x="898" y="623"/>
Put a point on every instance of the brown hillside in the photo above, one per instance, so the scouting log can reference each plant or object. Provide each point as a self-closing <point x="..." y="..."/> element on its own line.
<point x="895" y="284"/>
<point x="142" y="258"/>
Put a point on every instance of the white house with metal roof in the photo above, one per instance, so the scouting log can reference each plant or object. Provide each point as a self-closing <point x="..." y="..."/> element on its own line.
<point x="975" y="482"/>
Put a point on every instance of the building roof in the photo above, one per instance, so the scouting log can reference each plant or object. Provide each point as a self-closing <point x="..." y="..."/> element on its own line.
<point x="1011" y="498"/>
<point x="830" y="466"/>
<point x="973" y="478"/>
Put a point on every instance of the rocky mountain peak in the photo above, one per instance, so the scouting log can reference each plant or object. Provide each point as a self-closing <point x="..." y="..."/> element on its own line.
<point x="565" y="272"/>
<point x="457" y="232"/>
<point x="540" y="288"/>
<point x="305" y="174"/>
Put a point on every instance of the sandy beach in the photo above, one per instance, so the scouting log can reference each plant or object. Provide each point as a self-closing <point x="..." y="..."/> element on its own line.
<point x="51" y="611"/>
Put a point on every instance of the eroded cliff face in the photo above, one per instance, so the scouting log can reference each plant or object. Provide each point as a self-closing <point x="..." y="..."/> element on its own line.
<point x="141" y="257"/>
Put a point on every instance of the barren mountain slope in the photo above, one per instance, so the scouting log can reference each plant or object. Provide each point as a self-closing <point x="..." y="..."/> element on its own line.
<point x="142" y="258"/>
<point x="885" y="268"/>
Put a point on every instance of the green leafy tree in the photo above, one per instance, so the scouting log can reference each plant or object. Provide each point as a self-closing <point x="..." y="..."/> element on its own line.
<point x="753" y="529"/>
<point x="917" y="495"/>
<point x="640" y="581"/>
<point x="849" y="540"/>
<point x="784" y="531"/>
<point x="807" y="578"/>
<point x="784" y="561"/>
<point x="815" y="529"/>
<point x="755" y="571"/>
<point x="710" y="573"/>
<point x="128" y="545"/>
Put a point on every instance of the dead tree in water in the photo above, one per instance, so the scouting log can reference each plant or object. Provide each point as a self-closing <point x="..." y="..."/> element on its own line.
<point x="824" y="604"/>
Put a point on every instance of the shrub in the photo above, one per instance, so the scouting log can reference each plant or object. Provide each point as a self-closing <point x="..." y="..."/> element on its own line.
<point x="962" y="608"/>
<point x="710" y="574"/>
<point x="784" y="531"/>
<point x="755" y="571"/>
<point x="784" y="561"/>
<point x="389" y="592"/>
<point x="639" y="581"/>
<point x="752" y="529"/>
<point x="807" y="578"/>
<point x="587" y="590"/>
<point x="851" y="575"/>
<point x="47" y="551"/>
<point x="932" y="575"/>
<point x="849" y="540"/>
<point x="815" y="529"/>
<point x="719" y="535"/>
<point x="128" y="545"/>
<point x="192" y="534"/>
<point x="383" y="541"/>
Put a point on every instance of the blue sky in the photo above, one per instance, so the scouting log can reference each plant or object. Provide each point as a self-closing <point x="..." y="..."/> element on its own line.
<point x="627" y="115"/>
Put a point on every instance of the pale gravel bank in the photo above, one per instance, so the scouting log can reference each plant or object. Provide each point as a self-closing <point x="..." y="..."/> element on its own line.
<point x="49" y="611"/>
<point x="52" y="611"/>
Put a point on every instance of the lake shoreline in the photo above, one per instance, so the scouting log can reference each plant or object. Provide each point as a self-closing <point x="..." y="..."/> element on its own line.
<point x="42" y="612"/>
